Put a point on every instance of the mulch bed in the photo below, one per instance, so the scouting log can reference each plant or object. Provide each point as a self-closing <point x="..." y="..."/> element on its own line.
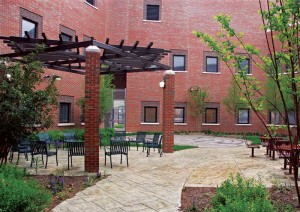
<point x="202" y="196"/>
<point x="72" y="185"/>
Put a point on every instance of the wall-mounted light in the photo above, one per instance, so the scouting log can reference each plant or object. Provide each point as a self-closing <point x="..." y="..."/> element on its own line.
<point x="8" y="77"/>
<point x="162" y="84"/>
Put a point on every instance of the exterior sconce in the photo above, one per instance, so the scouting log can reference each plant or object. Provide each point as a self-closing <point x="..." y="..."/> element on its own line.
<point x="162" y="84"/>
<point x="8" y="77"/>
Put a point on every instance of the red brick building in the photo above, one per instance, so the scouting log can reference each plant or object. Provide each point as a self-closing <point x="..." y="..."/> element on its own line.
<point x="169" y="24"/>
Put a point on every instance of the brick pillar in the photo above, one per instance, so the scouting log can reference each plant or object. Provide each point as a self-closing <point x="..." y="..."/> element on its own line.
<point x="168" y="111"/>
<point x="91" y="113"/>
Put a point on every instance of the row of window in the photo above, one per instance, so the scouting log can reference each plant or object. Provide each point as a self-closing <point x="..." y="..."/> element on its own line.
<point x="31" y="25"/>
<point x="211" y="64"/>
<point x="210" y="116"/>
<point x="31" y="28"/>
<point x="275" y="118"/>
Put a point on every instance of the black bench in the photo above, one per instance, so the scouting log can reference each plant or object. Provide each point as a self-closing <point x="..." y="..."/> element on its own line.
<point x="140" y="138"/>
<point x="40" y="148"/>
<point x="250" y="145"/>
<point x="117" y="147"/>
<point x="75" y="148"/>
<point x="156" y="142"/>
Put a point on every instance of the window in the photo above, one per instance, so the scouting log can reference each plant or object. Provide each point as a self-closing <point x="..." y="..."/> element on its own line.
<point x="243" y="116"/>
<point x="274" y="117"/>
<point x="244" y="65"/>
<point x="152" y="12"/>
<point x="211" y="115"/>
<point x="179" y="115"/>
<point x="92" y="2"/>
<point x="66" y="37"/>
<point x="30" y="22"/>
<point x="179" y="62"/>
<point x="211" y="64"/>
<point x="64" y="112"/>
<point x="292" y="118"/>
<point x="150" y="114"/>
<point x="30" y="27"/>
<point x="66" y="33"/>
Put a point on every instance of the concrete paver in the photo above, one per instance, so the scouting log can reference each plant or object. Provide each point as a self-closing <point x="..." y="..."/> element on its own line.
<point x="154" y="183"/>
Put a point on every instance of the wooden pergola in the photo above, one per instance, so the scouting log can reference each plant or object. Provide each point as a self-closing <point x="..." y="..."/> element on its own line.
<point x="66" y="55"/>
<point x="93" y="58"/>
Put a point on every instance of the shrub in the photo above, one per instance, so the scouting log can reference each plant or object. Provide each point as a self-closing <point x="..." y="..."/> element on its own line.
<point x="106" y="134"/>
<point x="118" y="126"/>
<point x="19" y="193"/>
<point x="236" y="194"/>
<point x="55" y="134"/>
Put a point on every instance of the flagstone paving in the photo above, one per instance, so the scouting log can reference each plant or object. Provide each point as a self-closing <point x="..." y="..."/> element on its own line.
<point x="154" y="183"/>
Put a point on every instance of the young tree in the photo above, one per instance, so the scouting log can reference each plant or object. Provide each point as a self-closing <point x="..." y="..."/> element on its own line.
<point x="106" y="98"/>
<point x="24" y="109"/>
<point x="196" y="102"/>
<point x="280" y="22"/>
<point x="234" y="99"/>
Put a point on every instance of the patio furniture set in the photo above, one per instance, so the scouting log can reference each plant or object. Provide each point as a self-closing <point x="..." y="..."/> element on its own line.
<point x="119" y="145"/>
<point x="284" y="151"/>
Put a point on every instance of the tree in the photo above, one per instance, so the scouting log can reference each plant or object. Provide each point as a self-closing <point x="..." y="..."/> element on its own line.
<point x="196" y="102"/>
<point x="24" y="109"/>
<point x="234" y="99"/>
<point x="280" y="22"/>
<point x="106" y="97"/>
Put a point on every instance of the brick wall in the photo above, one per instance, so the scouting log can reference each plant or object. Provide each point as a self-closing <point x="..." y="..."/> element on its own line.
<point x="56" y="15"/>
<point x="174" y="31"/>
<point x="125" y="20"/>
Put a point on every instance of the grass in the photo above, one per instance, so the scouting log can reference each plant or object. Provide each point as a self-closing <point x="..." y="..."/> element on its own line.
<point x="119" y="126"/>
<point x="254" y="139"/>
<point x="183" y="147"/>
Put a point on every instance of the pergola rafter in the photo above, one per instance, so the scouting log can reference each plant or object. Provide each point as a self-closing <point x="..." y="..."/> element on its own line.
<point x="65" y="55"/>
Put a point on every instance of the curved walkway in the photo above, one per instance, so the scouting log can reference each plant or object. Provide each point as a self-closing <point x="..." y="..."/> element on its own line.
<point x="154" y="184"/>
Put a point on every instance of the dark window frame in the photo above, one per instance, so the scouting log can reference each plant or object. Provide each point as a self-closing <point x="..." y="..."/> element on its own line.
<point x="248" y="117"/>
<point x="156" y="115"/>
<point x="217" y="115"/>
<point x="91" y="3"/>
<point x="35" y="27"/>
<point x="184" y="62"/>
<point x="68" y="104"/>
<point x="183" y="118"/>
<point x="217" y="64"/>
<point x="248" y="71"/>
<point x="31" y="17"/>
<point x="157" y="6"/>
<point x="66" y="35"/>
<point x="152" y="2"/>
<point x="276" y="113"/>
<point x="291" y="113"/>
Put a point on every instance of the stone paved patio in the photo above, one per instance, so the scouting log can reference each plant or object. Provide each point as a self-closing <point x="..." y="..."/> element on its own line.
<point x="154" y="183"/>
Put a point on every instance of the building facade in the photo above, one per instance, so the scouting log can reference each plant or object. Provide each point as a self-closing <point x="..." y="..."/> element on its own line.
<point x="167" y="23"/>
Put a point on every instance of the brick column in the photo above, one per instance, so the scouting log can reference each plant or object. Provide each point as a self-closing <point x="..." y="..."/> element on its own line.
<point x="168" y="111"/>
<point x="91" y="113"/>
